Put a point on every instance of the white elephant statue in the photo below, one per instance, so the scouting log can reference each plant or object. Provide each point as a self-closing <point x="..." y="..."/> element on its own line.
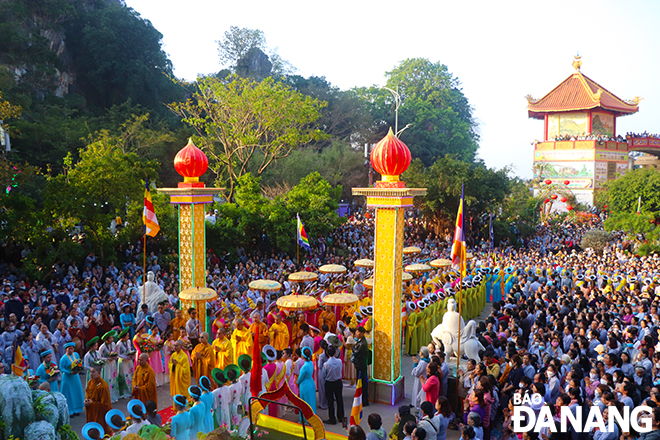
<point x="447" y="333"/>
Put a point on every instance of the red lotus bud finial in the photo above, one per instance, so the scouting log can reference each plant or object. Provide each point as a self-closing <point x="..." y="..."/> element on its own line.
<point x="191" y="162"/>
<point x="390" y="157"/>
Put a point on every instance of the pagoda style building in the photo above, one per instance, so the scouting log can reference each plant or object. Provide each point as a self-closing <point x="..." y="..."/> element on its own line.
<point x="580" y="147"/>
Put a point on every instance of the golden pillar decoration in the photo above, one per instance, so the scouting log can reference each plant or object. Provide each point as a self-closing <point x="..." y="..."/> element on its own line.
<point x="191" y="196"/>
<point x="390" y="198"/>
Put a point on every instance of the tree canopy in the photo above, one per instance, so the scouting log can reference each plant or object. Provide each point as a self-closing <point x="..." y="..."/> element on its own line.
<point x="245" y="125"/>
<point x="623" y="194"/>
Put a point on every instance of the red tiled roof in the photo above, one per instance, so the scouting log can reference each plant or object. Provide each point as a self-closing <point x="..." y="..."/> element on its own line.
<point x="578" y="92"/>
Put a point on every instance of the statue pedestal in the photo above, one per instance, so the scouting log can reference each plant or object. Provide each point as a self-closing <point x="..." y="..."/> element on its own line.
<point x="386" y="393"/>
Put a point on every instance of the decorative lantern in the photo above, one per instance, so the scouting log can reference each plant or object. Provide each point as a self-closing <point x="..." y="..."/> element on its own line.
<point x="563" y="199"/>
<point x="191" y="162"/>
<point x="605" y="207"/>
<point x="569" y="207"/>
<point x="553" y="197"/>
<point x="548" y="181"/>
<point x="566" y="182"/>
<point x="546" y="200"/>
<point x="390" y="157"/>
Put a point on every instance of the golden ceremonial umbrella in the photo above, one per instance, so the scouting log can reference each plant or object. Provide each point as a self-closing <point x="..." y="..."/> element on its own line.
<point x="411" y="250"/>
<point x="365" y="262"/>
<point x="197" y="297"/>
<point x="332" y="268"/>
<point x="469" y="256"/>
<point x="340" y="299"/>
<point x="405" y="276"/>
<point x="265" y="285"/>
<point x="297" y="302"/>
<point x="441" y="262"/>
<point x="303" y="276"/>
<point x="418" y="268"/>
<point x="368" y="283"/>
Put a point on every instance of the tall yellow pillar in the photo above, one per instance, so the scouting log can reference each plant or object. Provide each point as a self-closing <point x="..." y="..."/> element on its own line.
<point x="390" y="198"/>
<point x="190" y="197"/>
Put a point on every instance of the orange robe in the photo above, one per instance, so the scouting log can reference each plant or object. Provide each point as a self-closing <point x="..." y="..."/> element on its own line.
<point x="295" y="339"/>
<point x="281" y="340"/>
<point x="204" y="365"/>
<point x="176" y="324"/>
<point x="223" y="353"/>
<point x="145" y="379"/>
<point x="329" y="319"/>
<point x="98" y="392"/>
<point x="262" y="330"/>
<point x="244" y="345"/>
<point x="179" y="373"/>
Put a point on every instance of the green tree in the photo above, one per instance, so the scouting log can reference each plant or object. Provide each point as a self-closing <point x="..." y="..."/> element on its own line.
<point x="243" y="120"/>
<point x="596" y="239"/>
<point x="117" y="55"/>
<point x="98" y="188"/>
<point x="242" y="51"/>
<point x="485" y="188"/>
<point x="432" y="102"/>
<point x="623" y="193"/>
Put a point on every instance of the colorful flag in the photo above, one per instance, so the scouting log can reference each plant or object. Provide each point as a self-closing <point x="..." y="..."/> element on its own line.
<point x="458" y="252"/>
<point x="151" y="227"/>
<point x="490" y="231"/>
<point x="18" y="366"/>
<point x="356" y="410"/>
<point x="255" y="376"/>
<point x="302" y="235"/>
<point x="639" y="205"/>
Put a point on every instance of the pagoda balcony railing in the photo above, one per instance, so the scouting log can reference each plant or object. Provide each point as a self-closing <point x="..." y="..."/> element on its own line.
<point x="582" y="145"/>
<point x="647" y="144"/>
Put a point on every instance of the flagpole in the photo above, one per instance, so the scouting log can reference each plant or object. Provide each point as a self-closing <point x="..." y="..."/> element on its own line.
<point x="144" y="266"/>
<point x="458" y="354"/>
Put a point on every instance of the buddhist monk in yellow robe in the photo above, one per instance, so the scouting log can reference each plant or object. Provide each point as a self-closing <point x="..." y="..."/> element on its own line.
<point x="222" y="349"/>
<point x="179" y="371"/>
<point x="144" y="381"/>
<point x="241" y="340"/>
<point x="202" y="357"/>
<point x="295" y="330"/>
<point x="261" y="329"/>
<point x="178" y="322"/>
<point x="279" y="334"/>
<point x="328" y="318"/>
<point x="97" y="398"/>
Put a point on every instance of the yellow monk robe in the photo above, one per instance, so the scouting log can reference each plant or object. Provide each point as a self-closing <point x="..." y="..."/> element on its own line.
<point x="279" y="341"/>
<point x="98" y="392"/>
<point x="179" y="373"/>
<point x="262" y="329"/>
<point x="144" y="384"/>
<point x="242" y="342"/>
<point x="176" y="324"/>
<point x="223" y="352"/>
<point x="329" y="319"/>
<point x="203" y="360"/>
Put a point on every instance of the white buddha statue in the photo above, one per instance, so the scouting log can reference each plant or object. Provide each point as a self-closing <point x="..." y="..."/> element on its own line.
<point x="154" y="294"/>
<point x="447" y="333"/>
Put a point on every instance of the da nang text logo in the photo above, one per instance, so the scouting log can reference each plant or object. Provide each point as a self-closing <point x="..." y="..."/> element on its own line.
<point x="525" y="419"/>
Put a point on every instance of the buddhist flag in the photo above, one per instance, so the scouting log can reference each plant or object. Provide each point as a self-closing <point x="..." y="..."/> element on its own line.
<point x="302" y="235"/>
<point x="356" y="410"/>
<point x="255" y="375"/>
<point x="458" y="251"/>
<point x="151" y="227"/>
<point x="18" y="366"/>
<point x="639" y="205"/>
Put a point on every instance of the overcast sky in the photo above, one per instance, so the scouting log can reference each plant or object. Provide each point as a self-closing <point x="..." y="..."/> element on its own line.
<point x="500" y="51"/>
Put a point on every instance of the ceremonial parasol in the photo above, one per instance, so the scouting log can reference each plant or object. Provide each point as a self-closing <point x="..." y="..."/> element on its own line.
<point x="418" y="268"/>
<point x="469" y="256"/>
<point x="265" y="285"/>
<point x="369" y="282"/>
<point x="441" y="262"/>
<point x="197" y="297"/>
<point x="365" y="262"/>
<point x="332" y="268"/>
<point x="303" y="276"/>
<point x="340" y="299"/>
<point x="297" y="302"/>
<point x="411" y="250"/>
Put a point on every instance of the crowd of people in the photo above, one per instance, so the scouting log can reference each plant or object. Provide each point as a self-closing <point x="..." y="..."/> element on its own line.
<point x="572" y="326"/>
